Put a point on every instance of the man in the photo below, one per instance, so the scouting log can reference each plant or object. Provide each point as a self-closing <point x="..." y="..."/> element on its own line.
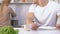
<point x="43" y="13"/>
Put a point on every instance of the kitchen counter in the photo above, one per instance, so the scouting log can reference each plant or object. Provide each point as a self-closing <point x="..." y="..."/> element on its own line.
<point x="22" y="31"/>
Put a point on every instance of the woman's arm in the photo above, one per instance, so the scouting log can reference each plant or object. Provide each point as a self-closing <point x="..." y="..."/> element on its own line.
<point x="30" y="17"/>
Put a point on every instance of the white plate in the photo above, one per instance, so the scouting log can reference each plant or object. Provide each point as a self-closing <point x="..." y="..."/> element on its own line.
<point x="48" y="28"/>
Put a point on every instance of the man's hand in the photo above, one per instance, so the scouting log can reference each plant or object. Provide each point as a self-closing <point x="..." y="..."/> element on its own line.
<point x="34" y="27"/>
<point x="58" y="26"/>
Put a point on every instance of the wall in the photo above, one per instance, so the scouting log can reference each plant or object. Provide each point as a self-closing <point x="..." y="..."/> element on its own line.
<point x="21" y="11"/>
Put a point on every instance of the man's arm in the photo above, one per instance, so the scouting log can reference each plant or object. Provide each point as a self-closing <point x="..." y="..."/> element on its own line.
<point x="29" y="21"/>
<point x="58" y="22"/>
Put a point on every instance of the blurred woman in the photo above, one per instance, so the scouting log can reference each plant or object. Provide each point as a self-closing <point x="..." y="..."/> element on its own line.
<point x="43" y="13"/>
<point x="5" y="12"/>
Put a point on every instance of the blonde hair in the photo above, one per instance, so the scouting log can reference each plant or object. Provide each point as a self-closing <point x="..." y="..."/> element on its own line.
<point x="2" y="5"/>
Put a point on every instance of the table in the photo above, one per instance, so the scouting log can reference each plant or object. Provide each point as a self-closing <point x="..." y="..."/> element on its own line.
<point x="22" y="31"/>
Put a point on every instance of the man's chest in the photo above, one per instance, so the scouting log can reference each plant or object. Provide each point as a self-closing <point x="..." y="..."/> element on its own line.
<point x="44" y="13"/>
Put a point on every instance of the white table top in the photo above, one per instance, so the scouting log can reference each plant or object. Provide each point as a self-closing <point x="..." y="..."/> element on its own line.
<point x="22" y="31"/>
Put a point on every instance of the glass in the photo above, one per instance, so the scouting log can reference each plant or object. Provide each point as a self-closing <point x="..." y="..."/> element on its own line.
<point x="28" y="27"/>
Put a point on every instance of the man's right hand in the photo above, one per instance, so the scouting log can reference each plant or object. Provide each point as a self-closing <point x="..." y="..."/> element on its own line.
<point x="58" y="26"/>
<point x="34" y="27"/>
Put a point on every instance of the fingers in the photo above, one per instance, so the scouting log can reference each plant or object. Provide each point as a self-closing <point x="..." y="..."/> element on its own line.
<point x="58" y="26"/>
<point x="34" y="27"/>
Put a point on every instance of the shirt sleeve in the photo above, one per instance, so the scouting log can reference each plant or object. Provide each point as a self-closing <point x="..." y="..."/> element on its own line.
<point x="31" y="8"/>
<point x="12" y="12"/>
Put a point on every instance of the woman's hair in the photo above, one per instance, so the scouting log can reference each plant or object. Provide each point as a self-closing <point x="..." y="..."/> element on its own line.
<point x="2" y="5"/>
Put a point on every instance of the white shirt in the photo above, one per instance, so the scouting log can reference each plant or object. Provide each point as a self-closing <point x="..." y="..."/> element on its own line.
<point x="47" y="15"/>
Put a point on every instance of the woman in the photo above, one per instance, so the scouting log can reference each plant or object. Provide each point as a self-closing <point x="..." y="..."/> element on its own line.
<point x="5" y="12"/>
<point x="43" y="13"/>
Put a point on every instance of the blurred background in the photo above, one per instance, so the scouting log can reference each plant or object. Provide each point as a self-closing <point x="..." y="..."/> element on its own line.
<point x="20" y="7"/>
